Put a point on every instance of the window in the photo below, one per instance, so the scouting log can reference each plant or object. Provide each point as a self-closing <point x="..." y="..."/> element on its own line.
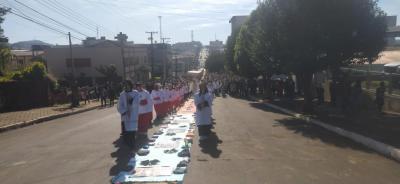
<point x="79" y="62"/>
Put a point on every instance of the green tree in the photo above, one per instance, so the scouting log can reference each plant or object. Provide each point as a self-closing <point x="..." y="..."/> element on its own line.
<point x="36" y="71"/>
<point x="242" y="53"/>
<point x="5" y="52"/>
<point x="215" y="62"/>
<point x="109" y="72"/>
<point x="230" y="52"/>
<point x="308" y="36"/>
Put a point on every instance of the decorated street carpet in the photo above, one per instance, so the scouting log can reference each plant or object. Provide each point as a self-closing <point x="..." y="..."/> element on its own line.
<point x="166" y="157"/>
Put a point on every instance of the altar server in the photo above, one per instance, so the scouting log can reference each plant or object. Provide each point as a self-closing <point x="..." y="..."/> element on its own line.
<point x="128" y="107"/>
<point x="202" y="100"/>
<point x="145" y="110"/>
<point x="157" y="96"/>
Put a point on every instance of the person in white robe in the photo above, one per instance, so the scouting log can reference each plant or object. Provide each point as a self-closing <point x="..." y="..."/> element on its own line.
<point x="158" y="99"/>
<point x="203" y="102"/>
<point x="145" y="110"/>
<point x="128" y="107"/>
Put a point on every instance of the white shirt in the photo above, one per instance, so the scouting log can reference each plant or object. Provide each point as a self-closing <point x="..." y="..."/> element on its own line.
<point x="145" y="102"/>
<point x="129" y="112"/>
<point x="203" y="115"/>
<point x="157" y="96"/>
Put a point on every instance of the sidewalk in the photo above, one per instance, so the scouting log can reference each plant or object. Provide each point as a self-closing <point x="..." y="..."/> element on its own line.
<point x="8" y="119"/>
<point x="384" y="128"/>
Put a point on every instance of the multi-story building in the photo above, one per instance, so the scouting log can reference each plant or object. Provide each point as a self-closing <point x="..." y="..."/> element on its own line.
<point x="94" y="53"/>
<point x="187" y="54"/>
<point x="393" y="31"/>
<point x="216" y="46"/>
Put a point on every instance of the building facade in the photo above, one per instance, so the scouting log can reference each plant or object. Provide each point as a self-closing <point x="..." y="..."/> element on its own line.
<point x="95" y="53"/>
<point x="216" y="46"/>
<point x="393" y="31"/>
<point x="22" y="58"/>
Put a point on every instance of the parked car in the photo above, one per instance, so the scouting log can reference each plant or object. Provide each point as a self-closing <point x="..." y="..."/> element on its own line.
<point x="392" y="68"/>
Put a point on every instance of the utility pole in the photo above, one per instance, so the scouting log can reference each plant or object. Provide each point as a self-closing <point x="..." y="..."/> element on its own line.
<point x="160" y="17"/>
<point x="123" y="60"/>
<point x="122" y="39"/>
<point x="176" y="66"/>
<point x="191" y="35"/>
<point x="74" y="90"/>
<point x="164" y="59"/>
<point x="151" y="38"/>
<point x="97" y="32"/>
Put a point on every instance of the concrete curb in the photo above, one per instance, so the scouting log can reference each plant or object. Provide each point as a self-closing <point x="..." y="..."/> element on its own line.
<point x="43" y="119"/>
<point x="377" y="146"/>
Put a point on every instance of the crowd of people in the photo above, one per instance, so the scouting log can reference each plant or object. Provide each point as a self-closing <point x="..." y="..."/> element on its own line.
<point x="343" y="92"/>
<point x="137" y="102"/>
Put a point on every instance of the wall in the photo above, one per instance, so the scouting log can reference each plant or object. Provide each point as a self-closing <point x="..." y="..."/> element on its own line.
<point x="56" y="60"/>
<point x="14" y="96"/>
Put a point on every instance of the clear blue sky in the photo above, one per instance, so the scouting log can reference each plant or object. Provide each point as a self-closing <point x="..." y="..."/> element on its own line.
<point x="208" y="18"/>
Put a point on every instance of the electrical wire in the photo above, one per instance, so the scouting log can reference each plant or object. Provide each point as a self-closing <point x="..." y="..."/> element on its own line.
<point x="24" y="16"/>
<point x="62" y="13"/>
<point x="59" y="23"/>
<point x="78" y="15"/>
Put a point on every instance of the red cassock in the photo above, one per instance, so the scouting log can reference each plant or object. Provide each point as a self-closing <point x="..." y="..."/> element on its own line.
<point x="146" y="117"/>
<point x="160" y="109"/>
<point x="144" y="122"/>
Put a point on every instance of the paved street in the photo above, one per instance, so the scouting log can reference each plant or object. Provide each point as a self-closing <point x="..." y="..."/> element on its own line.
<point x="74" y="149"/>
<point x="260" y="145"/>
<point x="256" y="145"/>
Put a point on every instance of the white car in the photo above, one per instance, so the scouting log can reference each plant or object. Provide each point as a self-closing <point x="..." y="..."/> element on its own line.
<point x="392" y="67"/>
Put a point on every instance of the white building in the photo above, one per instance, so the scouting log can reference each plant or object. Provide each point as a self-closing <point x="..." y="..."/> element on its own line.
<point x="94" y="53"/>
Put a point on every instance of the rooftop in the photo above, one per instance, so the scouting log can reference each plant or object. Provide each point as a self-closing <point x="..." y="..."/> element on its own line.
<point x="25" y="52"/>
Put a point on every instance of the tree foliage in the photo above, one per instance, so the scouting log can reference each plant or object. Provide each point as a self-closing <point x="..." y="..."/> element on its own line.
<point x="36" y="71"/>
<point x="5" y="53"/>
<point x="109" y="72"/>
<point x="308" y="36"/>
<point x="230" y="52"/>
<point x="215" y="62"/>
<point x="242" y="54"/>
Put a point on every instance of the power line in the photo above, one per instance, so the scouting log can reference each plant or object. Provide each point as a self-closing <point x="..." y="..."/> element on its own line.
<point x="79" y="16"/>
<point x="42" y="24"/>
<point x="73" y="13"/>
<point x="117" y="11"/>
<point x="70" y="16"/>
<point x="65" y="15"/>
<point x="68" y="27"/>
<point x="30" y="19"/>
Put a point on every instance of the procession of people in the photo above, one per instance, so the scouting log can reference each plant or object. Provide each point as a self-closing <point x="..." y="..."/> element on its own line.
<point x="137" y="105"/>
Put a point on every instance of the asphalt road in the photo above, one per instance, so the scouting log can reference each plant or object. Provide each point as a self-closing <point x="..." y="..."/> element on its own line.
<point x="255" y="144"/>
<point x="252" y="145"/>
<point x="75" y="149"/>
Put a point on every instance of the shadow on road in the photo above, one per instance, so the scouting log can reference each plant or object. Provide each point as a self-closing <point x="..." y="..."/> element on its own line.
<point x="123" y="154"/>
<point x="314" y="132"/>
<point x="210" y="146"/>
<point x="263" y="107"/>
